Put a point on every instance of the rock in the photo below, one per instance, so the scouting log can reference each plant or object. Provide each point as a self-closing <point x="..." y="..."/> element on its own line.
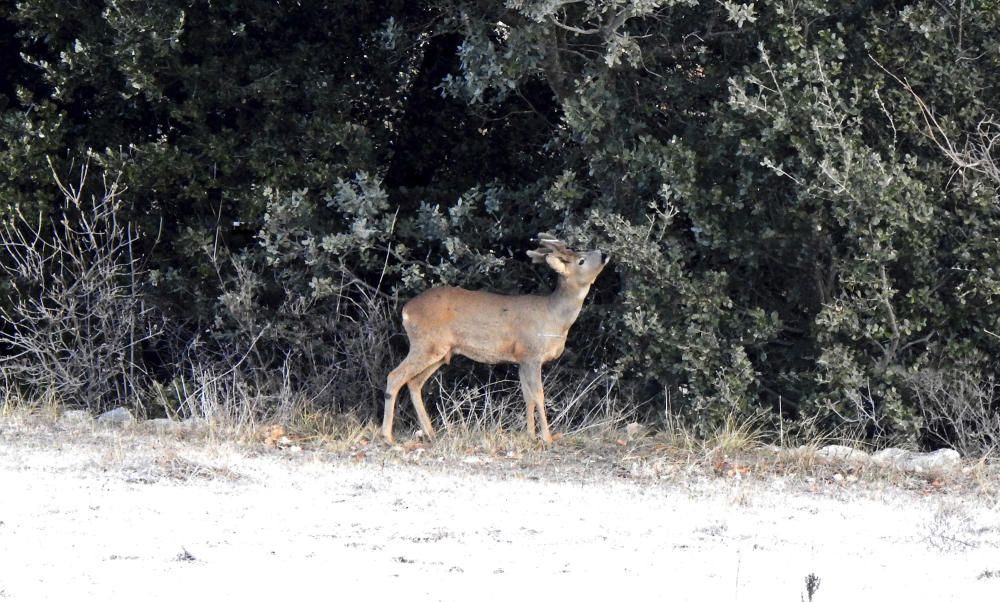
<point x="938" y="460"/>
<point x="634" y="430"/>
<point x="194" y="424"/>
<point x="841" y="452"/>
<point x="116" y="417"/>
<point x="76" y="417"/>
<point x="891" y="456"/>
<point x="901" y="459"/>
<point x="165" y="425"/>
<point x="171" y="426"/>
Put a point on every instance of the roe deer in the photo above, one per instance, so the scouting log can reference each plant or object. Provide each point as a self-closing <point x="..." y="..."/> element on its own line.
<point x="527" y="330"/>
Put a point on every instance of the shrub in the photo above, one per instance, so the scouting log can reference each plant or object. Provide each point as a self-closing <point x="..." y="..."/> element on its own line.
<point x="77" y="320"/>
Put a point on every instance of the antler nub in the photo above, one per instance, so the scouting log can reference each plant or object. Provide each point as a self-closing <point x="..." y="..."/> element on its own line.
<point x="549" y="245"/>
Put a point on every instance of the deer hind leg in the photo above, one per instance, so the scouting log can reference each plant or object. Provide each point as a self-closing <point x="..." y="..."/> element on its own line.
<point x="417" y="361"/>
<point x="415" y="386"/>
<point x="534" y="399"/>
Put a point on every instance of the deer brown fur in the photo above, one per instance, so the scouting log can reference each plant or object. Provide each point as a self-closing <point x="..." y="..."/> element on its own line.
<point x="527" y="330"/>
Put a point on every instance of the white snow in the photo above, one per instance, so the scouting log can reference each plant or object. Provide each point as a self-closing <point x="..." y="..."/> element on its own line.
<point x="160" y="519"/>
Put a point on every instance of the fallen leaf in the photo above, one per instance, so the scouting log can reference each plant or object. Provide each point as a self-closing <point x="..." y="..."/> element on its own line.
<point x="274" y="435"/>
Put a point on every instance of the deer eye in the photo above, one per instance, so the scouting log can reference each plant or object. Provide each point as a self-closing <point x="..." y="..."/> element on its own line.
<point x="582" y="260"/>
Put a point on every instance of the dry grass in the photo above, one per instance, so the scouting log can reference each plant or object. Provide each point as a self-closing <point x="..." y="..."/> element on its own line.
<point x="736" y="436"/>
<point x="575" y="402"/>
<point x="333" y="432"/>
<point x="138" y="452"/>
<point x="737" y="452"/>
<point x="173" y="465"/>
<point x="462" y="442"/>
<point x="15" y="406"/>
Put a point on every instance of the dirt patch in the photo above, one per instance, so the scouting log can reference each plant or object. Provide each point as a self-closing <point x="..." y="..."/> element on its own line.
<point x="93" y="513"/>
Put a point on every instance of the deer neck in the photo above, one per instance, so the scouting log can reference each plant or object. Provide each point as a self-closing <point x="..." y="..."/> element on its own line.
<point x="566" y="302"/>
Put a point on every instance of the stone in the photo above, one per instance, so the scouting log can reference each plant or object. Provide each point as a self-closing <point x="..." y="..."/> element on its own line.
<point x="891" y="456"/>
<point x="75" y="417"/>
<point x="116" y="417"/>
<point x="841" y="452"/>
<point x="936" y="461"/>
<point x="176" y="427"/>
<point x="194" y="423"/>
<point x="634" y="430"/>
<point x="165" y="425"/>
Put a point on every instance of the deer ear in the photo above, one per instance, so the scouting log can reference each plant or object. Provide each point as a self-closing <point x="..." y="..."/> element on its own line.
<point x="556" y="264"/>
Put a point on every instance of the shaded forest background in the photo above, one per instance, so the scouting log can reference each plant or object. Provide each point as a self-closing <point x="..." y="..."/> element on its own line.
<point x="800" y="200"/>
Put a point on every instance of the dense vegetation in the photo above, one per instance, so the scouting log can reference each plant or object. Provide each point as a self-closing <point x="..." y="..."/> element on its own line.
<point x="800" y="199"/>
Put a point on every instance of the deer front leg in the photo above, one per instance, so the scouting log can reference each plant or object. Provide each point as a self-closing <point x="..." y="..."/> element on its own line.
<point x="529" y="402"/>
<point x="534" y="398"/>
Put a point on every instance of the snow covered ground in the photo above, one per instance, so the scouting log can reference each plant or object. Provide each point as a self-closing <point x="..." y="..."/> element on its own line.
<point x="103" y="514"/>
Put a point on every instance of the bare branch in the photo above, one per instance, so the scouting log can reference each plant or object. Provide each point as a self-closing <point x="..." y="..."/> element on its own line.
<point x="77" y="318"/>
<point x="576" y="30"/>
<point x="976" y="156"/>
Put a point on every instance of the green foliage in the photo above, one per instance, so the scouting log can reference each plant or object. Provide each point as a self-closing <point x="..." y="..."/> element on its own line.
<point x="798" y="197"/>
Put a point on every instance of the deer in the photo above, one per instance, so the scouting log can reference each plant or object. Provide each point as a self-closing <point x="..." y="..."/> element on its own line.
<point x="492" y="328"/>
